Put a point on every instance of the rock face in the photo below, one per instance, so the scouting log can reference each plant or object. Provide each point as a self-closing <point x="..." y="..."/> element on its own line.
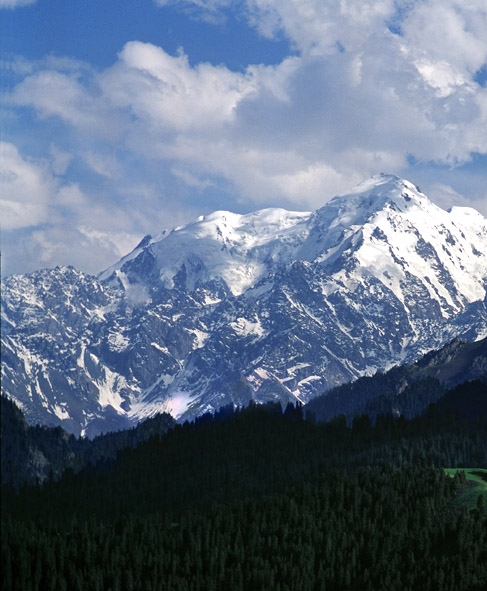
<point x="273" y="305"/>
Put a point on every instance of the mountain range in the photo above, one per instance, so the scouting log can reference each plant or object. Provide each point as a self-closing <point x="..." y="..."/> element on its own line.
<point x="268" y="306"/>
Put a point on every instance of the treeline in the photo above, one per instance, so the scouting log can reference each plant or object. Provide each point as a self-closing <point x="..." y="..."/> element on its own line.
<point x="35" y="453"/>
<point x="246" y="452"/>
<point x="258" y="498"/>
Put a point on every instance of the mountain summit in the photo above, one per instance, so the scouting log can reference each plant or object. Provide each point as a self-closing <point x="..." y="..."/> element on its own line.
<point x="272" y="305"/>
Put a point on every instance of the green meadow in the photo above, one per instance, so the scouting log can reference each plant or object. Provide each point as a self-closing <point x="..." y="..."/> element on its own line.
<point x="475" y="484"/>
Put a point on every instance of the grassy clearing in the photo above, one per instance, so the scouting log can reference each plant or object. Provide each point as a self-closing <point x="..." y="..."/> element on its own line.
<point x="476" y="484"/>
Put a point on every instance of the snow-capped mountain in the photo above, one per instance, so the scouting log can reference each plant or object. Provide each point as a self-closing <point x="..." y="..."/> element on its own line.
<point x="270" y="305"/>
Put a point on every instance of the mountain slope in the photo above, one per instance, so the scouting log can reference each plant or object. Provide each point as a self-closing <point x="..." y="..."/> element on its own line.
<point x="409" y="389"/>
<point x="273" y="305"/>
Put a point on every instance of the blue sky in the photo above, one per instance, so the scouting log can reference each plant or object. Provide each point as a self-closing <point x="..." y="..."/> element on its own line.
<point x="123" y="118"/>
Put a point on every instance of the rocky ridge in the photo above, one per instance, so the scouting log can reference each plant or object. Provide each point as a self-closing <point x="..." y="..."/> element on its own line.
<point x="273" y="305"/>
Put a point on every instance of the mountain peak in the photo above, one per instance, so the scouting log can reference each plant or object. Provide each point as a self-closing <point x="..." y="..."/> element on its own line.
<point x="382" y="190"/>
<point x="338" y="225"/>
<point x="271" y="305"/>
<point x="382" y="179"/>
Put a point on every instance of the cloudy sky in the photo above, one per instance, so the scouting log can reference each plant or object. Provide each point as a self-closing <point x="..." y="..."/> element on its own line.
<point x="121" y="118"/>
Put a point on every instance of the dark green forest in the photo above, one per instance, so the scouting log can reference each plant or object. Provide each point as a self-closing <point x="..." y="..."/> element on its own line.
<point x="34" y="453"/>
<point x="409" y="389"/>
<point x="260" y="499"/>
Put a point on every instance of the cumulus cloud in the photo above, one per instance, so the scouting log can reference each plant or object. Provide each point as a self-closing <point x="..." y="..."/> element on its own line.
<point x="46" y="221"/>
<point x="171" y="94"/>
<point x="445" y="196"/>
<point x="25" y="187"/>
<point x="378" y="75"/>
<point x="65" y="95"/>
<point x="82" y="247"/>
<point x="451" y="33"/>
<point x="372" y="85"/>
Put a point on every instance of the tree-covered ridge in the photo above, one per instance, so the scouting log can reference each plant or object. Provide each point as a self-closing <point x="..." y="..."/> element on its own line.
<point x="35" y="453"/>
<point x="260" y="499"/>
<point x="409" y="389"/>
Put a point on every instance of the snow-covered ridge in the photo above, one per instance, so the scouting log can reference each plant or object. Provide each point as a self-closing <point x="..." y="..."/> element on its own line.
<point x="272" y="305"/>
<point x="382" y="221"/>
<point x="222" y="245"/>
<point x="399" y="232"/>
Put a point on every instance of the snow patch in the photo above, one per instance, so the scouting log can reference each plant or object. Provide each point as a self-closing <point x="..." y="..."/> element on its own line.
<point x="244" y="327"/>
<point x="61" y="411"/>
<point x="176" y="405"/>
<point x="109" y="386"/>
<point x="200" y="337"/>
<point x="164" y="350"/>
<point x="118" y="342"/>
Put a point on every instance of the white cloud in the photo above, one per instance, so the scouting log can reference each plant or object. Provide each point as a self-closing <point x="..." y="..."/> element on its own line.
<point x="360" y="85"/>
<point x="444" y="196"/>
<point x="211" y="11"/>
<point x="452" y="32"/>
<point x="25" y="186"/>
<point x="373" y="85"/>
<point x="83" y="247"/>
<point x="66" y="94"/>
<point x="46" y="221"/>
<point x="169" y="93"/>
<point x="60" y="159"/>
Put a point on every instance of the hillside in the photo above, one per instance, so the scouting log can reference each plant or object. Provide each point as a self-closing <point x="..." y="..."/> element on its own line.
<point x="409" y="389"/>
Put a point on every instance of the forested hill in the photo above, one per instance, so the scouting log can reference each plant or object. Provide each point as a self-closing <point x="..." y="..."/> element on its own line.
<point x="409" y="389"/>
<point x="260" y="499"/>
<point x="31" y="454"/>
<point x="34" y="453"/>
